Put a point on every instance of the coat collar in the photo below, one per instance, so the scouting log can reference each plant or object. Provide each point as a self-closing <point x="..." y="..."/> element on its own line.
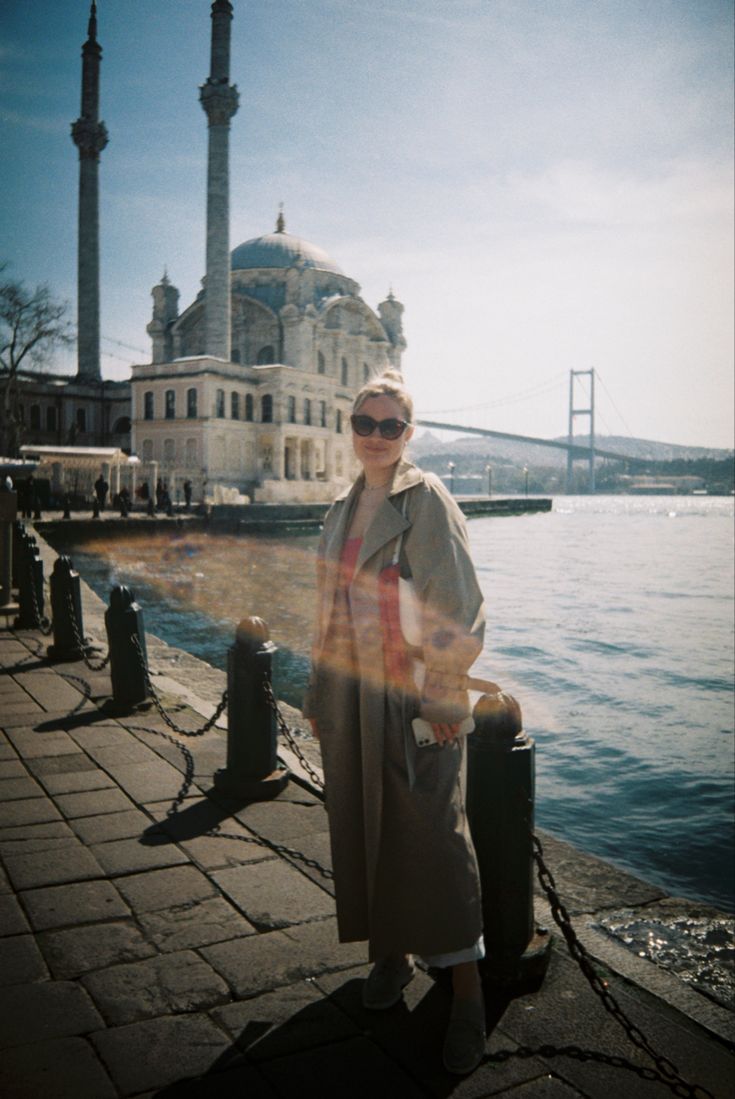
<point x="388" y="523"/>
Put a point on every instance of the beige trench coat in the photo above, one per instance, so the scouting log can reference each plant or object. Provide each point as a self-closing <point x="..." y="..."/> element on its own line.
<point x="405" y="870"/>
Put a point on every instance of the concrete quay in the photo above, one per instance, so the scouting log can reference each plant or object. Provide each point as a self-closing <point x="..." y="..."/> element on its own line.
<point x="142" y="956"/>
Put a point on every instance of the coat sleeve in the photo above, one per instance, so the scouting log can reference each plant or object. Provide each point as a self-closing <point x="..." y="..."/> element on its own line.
<point x="453" y="619"/>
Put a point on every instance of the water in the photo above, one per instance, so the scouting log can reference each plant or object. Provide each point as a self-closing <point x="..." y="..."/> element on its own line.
<point x="610" y="619"/>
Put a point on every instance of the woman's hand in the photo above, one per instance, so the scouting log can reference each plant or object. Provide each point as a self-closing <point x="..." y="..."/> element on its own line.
<point x="444" y="733"/>
<point x="314" y="728"/>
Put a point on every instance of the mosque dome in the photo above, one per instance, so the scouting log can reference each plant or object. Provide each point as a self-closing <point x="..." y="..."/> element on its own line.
<point x="281" y="250"/>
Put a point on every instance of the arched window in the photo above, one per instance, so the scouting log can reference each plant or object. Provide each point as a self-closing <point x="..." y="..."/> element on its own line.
<point x="219" y="408"/>
<point x="249" y="407"/>
<point x="321" y="365"/>
<point x="121" y="426"/>
<point x="323" y="413"/>
<point x="170" y="404"/>
<point x="307" y="410"/>
<point x="266" y="355"/>
<point x="169" y="450"/>
<point x="291" y="410"/>
<point x="51" y="419"/>
<point x="266" y="409"/>
<point x="235" y="406"/>
<point x="344" y="373"/>
<point x="148" y="450"/>
<point x="35" y="417"/>
<point x="191" y="452"/>
<point x="148" y="405"/>
<point x="338" y="420"/>
<point x="191" y="404"/>
<point x="81" y="419"/>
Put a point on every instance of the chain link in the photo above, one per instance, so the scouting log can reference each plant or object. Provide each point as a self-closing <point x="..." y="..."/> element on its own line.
<point x="42" y="622"/>
<point x="159" y="705"/>
<point x="82" y="643"/>
<point x="288" y="735"/>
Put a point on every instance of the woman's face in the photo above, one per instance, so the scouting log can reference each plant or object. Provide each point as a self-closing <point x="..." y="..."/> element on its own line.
<point x="376" y="454"/>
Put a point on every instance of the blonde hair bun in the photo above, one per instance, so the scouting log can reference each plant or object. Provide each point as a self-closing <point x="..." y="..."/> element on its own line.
<point x="388" y="384"/>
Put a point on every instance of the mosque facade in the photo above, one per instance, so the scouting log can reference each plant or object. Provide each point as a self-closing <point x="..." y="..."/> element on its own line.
<point x="250" y="388"/>
<point x="272" y="421"/>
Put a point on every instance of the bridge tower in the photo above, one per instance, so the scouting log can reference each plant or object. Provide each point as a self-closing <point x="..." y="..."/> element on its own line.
<point x="589" y="411"/>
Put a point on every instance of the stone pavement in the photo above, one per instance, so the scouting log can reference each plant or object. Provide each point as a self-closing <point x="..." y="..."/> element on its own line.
<point x="140" y="956"/>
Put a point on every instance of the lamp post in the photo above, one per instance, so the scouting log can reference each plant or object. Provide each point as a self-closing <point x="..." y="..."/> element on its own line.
<point x="489" y="472"/>
<point x="525" y="474"/>
<point x="451" y="467"/>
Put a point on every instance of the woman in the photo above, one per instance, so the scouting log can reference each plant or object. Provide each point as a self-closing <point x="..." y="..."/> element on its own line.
<point x="404" y="867"/>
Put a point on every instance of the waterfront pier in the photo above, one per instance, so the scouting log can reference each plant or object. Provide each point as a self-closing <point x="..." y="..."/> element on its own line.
<point x="160" y="939"/>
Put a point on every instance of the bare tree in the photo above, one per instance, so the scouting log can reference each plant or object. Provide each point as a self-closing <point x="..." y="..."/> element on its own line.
<point x="32" y="324"/>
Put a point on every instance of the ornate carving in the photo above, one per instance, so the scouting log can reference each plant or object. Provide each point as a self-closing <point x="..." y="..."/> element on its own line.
<point x="219" y="101"/>
<point x="89" y="137"/>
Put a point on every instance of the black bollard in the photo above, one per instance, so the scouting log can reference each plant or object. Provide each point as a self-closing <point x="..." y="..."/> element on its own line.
<point x="151" y="507"/>
<point x="30" y="587"/>
<point x="67" y="506"/>
<point x="124" y="624"/>
<point x="95" y="508"/>
<point x="36" y="506"/>
<point x="66" y="611"/>
<point x="123" y="507"/>
<point x="251" y="770"/>
<point x="19" y="531"/>
<point x="500" y="792"/>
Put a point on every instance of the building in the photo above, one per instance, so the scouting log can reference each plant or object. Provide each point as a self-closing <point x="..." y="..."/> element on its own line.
<point x="272" y="422"/>
<point x="249" y="390"/>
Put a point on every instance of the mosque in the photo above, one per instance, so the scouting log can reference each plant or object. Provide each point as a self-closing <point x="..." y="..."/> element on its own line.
<point x="249" y="389"/>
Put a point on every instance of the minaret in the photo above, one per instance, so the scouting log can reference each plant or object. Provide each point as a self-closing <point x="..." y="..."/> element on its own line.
<point x="219" y="100"/>
<point x="90" y="137"/>
<point x="391" y="316"/>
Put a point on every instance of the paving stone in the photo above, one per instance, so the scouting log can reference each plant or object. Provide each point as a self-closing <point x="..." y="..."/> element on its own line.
<point x="273" y="894"/>
<point x="100" y="734"/>
<point x="161" y="985"/>
<point x="68" y="905"/>
<point x="78" y="950"/>
<point x="71" y="862"/>
<point x="356" y="1068"/>
<point x="47" y="1009"/>
<point x="21" y="712"/>
<point x="32" y="745"/>
<point x="292" y="1018"/>
<point x="283" y="820"/>
<point x="65" y="1068"/>
<point x="149" y="781"/>
<point x="153" y="1053"/>
<point x="12" y="917"/>
<point x="128" y="855"/>
<point x="194" y="924"/>
<point x="35" y="837"/>
<point x="60" y="765"/>
<point x="5" y="886"/>
<point x="12" y="789"/>
<point x="93" y="802"/>
<point x="110" y="826"/>
<point x="21" y="961"/>
<point x="12" y="768"/>
<point x="49" y="690"/>
<point x="263" y="962"/>
<point x="157" y="889"/>
<point x="7" y="751"/>
<point x="124" y="751"/>
<point x="74" y="781"/>
<point x="216" y="853"/>
<point x="13" y="814"/>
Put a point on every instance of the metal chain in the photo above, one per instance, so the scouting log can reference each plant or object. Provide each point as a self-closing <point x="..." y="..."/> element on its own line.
<point x="288" y="735"/>
<point x="665" y="1071"/>
<point x="44" y="624"/>
<point x="159" y="705"/>
<point x="82" y="643"/>
<point x="216" y="831"/>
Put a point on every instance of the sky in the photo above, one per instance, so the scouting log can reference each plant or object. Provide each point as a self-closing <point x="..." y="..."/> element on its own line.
<point x="547" y="185"/>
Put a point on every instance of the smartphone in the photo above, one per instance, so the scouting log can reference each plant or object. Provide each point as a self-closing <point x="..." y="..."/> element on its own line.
<point x="423" y="733"/>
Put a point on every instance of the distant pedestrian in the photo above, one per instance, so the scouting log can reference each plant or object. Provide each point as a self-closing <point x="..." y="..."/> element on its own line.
<point x="101" y="488"/>
<point x="159" y="493"/>
<point x="187" y="495"/>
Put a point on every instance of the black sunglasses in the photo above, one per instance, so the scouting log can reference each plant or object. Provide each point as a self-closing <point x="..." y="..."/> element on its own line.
<point x="389" y="429"/>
